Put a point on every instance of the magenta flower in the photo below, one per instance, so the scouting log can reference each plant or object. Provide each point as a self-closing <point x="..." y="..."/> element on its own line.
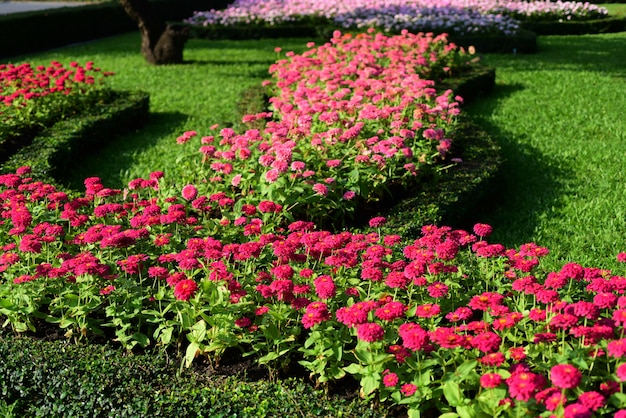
<point x="565" y="376"/>
<point x="189" y="192"/>
<point x="370" y="332"/>
<point x="490" y="380"/>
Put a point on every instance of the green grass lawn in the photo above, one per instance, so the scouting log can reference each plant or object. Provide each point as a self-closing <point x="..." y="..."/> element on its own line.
<point x="559" y="114"/>
<point x="615" y="9"/>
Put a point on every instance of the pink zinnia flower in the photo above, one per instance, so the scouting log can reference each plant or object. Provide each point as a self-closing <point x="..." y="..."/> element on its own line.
<point x="377" y="222"/>
<point x="620" y="371"/>
<point x="490" y="380"/>
<point x="577" y="410"/>
<point x="390" y="311"/>
<point x="320" y="189"/>
<point x="324" y="287"/>
<point x="408" y="389"/>
<point x="592" y="400"/>
<point x="370" y="332"/>
<point x="190" y="192"/>
<point x="316" y="312"/>
<point x="427" y="310"/>
<point x="390" y="380"/>
<point x="483" y="230"/>
<point x="523" y="385"/>
<point x="349" y="195"/>
<point x="565" y="376"/>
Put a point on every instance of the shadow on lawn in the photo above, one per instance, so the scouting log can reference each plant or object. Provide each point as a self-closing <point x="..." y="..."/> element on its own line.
<point x="528" y="185"/>
<point x="594" y="53"/>
<point x="110" y="160"/>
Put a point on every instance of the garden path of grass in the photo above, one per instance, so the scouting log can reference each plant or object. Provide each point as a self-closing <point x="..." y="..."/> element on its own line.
<point x="559" y="115"/>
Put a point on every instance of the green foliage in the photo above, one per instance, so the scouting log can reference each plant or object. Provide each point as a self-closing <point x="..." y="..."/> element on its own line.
<point x="607" y="25"/>
<point x="60" y="379"/>
<point x="560" y="184"/>
<point x="52" y="151"/>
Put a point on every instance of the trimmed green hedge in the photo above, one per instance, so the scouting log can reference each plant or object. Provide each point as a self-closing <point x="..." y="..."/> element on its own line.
<point x="607" y="25"/>
<point x="51" y="152"/>
<point x="524" y="42"/>
<point x="61" y="379"/>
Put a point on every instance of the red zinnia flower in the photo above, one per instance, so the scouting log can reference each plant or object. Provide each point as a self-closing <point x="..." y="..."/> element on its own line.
<point x="185" y="289"/>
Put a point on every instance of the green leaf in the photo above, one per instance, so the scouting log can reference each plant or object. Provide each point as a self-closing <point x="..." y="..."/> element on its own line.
<point x="467" y="411"/>
<point x="268" y="357"/>
<point x="190" y="354"/>
<point x="466" y="368"/>
<point x="449" y="415"/>
<point x="452" y="392"/>
<point x="363" y="354"/>
<point x="141" y="338"/>
<point x="370" y="383"/>
<point x="197" y="332"/>
<point x="354" y="368"/>
<point x="415" y="413"/>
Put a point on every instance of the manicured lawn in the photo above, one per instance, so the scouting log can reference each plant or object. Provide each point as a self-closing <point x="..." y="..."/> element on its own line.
<point x="559" y="115"/>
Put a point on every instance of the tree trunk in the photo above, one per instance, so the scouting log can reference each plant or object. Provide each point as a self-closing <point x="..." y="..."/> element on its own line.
<point x="161" y="43"/>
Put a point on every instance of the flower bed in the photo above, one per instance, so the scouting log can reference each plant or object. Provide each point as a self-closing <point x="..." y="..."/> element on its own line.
<point x="458" y="17"/>
<point x="32" y="99"/>
<point x="446" y="322"/>
<point x="352" y="123"/>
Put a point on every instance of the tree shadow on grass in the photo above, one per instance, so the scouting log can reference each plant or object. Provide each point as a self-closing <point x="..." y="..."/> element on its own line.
<point x="593" y="53"/>
<point x="112" y="159"/>
<point x="528" y="185"/>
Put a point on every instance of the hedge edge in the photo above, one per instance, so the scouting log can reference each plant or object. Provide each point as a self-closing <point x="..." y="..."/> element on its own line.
<point x="51" y="152"/>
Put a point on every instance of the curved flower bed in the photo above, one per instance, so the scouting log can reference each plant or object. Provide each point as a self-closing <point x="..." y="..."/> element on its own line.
<point x="458" y="17"/>
<point x="351" y="120"/>
<point x="448" y="322"/>
<point x="32" y="98"/>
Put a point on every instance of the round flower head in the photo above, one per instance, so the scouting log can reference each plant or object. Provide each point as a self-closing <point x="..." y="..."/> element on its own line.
<point x="390" y="380"/>
<point x="620" y="371"/>
<point x="190" y="192"/>
<point x="483" y="230"/>
<point x="490" y="380"/>
<point x="565" y="376"/>
<point x="370" y="332"/>
<point x="185" y="289"/>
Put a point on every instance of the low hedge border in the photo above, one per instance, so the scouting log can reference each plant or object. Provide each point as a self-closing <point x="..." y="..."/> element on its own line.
<point x="524" y="42"/>
<point x="61" y="379"/>
<point x="52" y="151"/>
<point x="607" y="25"/>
